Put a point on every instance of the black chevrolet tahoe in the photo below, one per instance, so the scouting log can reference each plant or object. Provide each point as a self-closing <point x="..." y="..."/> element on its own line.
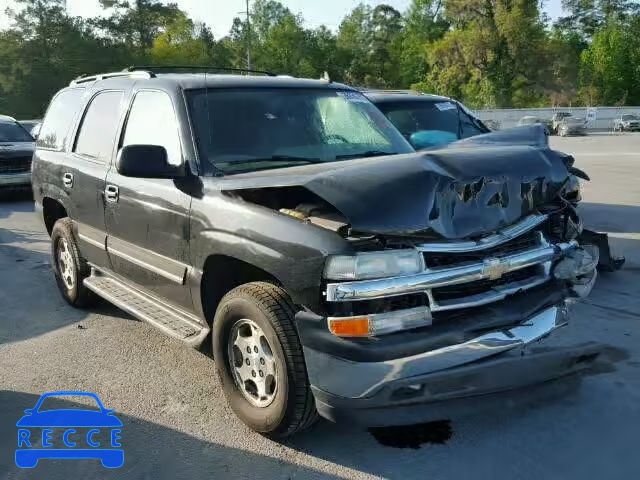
<point x="334" y="270"/>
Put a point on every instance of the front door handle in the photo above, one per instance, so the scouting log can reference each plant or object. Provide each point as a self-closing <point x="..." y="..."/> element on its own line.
<point x="67" y="180"/>
<point x="111" y="193"/>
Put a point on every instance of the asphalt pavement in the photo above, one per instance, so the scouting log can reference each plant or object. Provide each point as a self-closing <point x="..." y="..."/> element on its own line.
<point x="176" y="423"/>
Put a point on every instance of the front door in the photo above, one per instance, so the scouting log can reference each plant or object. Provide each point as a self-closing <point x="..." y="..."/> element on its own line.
<point x="148" y="219"/>
<point x="85" y="169"/>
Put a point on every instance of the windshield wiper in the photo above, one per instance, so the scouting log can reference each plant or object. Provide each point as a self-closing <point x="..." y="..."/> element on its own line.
<point x="368" y="153"/>
<point x="275" y="158"/>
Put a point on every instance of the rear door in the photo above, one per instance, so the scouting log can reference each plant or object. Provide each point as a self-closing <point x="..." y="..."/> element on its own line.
<point x="148" y="219"/>
<point x="84" y="171"/>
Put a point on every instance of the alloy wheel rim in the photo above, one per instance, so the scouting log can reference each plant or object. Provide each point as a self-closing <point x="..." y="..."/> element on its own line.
<point x="65" y="264"/>
<point x="252" y="363"/>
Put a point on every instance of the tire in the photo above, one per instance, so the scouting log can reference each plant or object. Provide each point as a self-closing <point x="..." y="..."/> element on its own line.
<point x="63" y="240"/>
<point x="269" y="309"/>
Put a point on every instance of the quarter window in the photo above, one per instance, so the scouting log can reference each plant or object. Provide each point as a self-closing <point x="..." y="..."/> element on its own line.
<point x="60" y="115"/>
<point x="152" y="121"/>
<point x="99" y="126"/>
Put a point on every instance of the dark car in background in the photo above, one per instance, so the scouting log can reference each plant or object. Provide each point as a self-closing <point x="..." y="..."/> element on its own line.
<point x="570" y="125"/>
<point x="16" y="149"/>
<point x="427" y="121"/>
<point x="557" y="119"/>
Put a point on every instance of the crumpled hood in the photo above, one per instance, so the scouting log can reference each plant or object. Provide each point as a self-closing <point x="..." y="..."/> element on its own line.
<point x="456" y="192"/>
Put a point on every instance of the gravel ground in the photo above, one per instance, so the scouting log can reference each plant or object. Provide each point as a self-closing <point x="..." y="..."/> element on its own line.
<point x="177" y="424"/>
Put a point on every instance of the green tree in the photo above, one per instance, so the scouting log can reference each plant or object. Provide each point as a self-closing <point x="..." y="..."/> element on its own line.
<point x="386" y="43"/>
<point x="609" y="74"/>
<point x="183" y="42"/>
<point x="136" y="23"/>
<point x="586" y="17"/>
<point x="493" y="56"/>
<point x="564" y="50"/>
<point x="423" y="24"/>
<point x="44" y="49"/>
<point x="354" y="38"/>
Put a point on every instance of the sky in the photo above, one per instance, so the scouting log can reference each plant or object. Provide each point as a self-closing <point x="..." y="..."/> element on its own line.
<point x="219" y="14"/>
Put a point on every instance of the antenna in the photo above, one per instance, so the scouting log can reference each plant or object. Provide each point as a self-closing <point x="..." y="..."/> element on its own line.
<point x="248" y="13"/>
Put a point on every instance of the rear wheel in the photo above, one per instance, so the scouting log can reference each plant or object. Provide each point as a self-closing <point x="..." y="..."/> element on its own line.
<point x="69" y="268"/>
<point x="260" y="361"/>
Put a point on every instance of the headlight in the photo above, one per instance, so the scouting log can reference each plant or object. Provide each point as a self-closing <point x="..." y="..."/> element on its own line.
<point x="367" y="265"/>
<point x="572" y="189"/>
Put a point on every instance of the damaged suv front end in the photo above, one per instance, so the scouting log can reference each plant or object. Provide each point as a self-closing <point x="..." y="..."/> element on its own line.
<point x="463" y="260"/>
<point x="419" y="280"/>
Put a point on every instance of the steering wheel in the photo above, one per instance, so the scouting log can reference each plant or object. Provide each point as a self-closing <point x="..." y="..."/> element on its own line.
<point x="337" y="137"/>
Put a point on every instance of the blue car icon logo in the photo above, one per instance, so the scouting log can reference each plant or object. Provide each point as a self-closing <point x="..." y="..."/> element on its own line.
<point x="69" y="434"/>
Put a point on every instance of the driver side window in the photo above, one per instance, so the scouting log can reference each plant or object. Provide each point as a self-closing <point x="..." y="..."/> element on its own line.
<point x="152" y="121"/>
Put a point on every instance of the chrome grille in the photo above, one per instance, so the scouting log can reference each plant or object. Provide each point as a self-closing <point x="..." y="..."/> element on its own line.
<point x="489" y="290"/>
<point x="524" y="242"/>
<point x="453" y="292"/>
<point x="470" y="273"/>
<point x="15" y="165"/>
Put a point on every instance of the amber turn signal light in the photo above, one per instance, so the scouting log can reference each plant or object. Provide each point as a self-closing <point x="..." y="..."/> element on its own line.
<point x="350" y="327"/>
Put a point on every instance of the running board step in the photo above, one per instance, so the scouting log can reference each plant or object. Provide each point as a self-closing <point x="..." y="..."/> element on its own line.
<point x="142" y="306"/>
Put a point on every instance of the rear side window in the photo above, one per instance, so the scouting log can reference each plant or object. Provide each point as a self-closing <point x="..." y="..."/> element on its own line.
<point x="57" y="123"/>
<point x="152" y="121"/>
<point x="99" y="126"/>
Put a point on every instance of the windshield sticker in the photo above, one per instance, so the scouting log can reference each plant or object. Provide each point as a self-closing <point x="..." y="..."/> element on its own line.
<point x="353" y="97"/>
<point x="445" y="106"/>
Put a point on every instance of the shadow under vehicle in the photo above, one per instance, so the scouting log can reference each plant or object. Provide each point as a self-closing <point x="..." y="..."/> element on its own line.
<point x="334" y="269"/>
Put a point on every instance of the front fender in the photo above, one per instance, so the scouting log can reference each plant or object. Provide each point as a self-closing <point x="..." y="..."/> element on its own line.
<point x="292" y="251"/>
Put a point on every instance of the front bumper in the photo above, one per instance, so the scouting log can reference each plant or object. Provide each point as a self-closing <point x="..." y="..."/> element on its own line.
<point x="15" y="179"/>
<point x="443" y="382"/>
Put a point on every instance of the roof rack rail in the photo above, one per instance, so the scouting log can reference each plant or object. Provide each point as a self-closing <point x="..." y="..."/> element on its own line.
<point x="164" y="68"/>
<point x="102" y="76"/>
<point x="390" y="90"/>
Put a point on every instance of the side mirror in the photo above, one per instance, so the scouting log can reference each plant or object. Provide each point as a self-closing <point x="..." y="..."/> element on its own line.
<point x="146" y="161"/>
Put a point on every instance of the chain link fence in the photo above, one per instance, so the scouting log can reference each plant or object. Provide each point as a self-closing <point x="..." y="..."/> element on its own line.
<point x="598" y="118"/>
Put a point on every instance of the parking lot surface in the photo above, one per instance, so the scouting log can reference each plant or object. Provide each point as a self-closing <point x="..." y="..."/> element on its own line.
<point x="176" y="423"/>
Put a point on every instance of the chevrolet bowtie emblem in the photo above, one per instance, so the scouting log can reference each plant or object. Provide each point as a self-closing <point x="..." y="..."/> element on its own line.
<point x="495" y="268"/>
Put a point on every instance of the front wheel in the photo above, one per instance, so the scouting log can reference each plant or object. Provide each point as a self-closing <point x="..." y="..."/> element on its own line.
<point x="69" y="267"/>
<point x="260" y="362"/>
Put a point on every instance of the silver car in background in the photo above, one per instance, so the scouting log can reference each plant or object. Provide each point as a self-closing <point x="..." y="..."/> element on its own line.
<point x="627" y="123"/>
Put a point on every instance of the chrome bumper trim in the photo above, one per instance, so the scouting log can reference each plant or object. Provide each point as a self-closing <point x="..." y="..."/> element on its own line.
<point x="509" y="233"/>
<point x="491" y="268"/>
<point x="358" y="380"/>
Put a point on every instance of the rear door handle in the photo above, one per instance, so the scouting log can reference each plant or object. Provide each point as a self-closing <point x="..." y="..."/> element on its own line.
<point x="67" y="180"/>
<point x="111" y="193"/>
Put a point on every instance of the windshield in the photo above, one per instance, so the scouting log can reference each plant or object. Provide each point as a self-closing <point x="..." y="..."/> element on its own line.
<point x="629" y="117"/>
<point x="12" y="132"/>
<point x="421" y="115"/>
<point x="248" y="129"/>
